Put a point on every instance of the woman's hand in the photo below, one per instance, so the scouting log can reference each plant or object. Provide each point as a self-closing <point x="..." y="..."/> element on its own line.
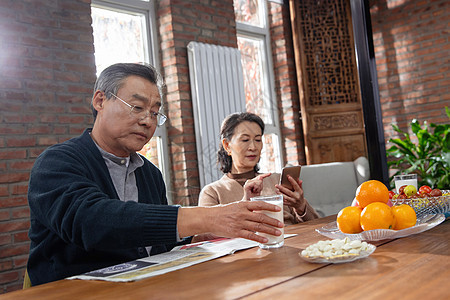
<point x="293" y="198"/>
<point x="253" y="187"/>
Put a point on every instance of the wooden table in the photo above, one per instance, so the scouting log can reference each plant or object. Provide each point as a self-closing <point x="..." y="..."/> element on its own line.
<point x="414" y="267"/>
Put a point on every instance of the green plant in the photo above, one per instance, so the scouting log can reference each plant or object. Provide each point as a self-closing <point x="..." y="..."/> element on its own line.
<point x="429" y="157"/>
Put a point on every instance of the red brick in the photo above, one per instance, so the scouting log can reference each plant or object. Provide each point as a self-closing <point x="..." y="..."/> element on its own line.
<point x="4" y="214"/>
<point x="71" y="119"/>
<point x="85" y="110"/>
<point x="21" y="237"/>
<point x="17" y="286"/>
<point x="8" y="129"/>
<point x="74" y="131"/>
<point x="13" y="177"/>
<point x="20" y="213"/>
<point x="13" y="202"/>
<point x="20" y="261"/>
<point x="19" y="189"/>
<point x="21" y="165"/>
<point x="5" y="239"/>
<point x="6" y="265"/>
<point x="6" y="277"/>
<point x="59" y="130"/>
<point x="46" y="118"/>
<point x="39" y="130"/>
<point x="20" y="142"/>
<point x="14" y="226"/>
<point x="9" y="83"/>
<point x="4" y="191"/>
<point x="47" y="140"/>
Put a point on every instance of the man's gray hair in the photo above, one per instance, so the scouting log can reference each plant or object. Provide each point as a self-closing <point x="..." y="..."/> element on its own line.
<point x="112" y="78"/>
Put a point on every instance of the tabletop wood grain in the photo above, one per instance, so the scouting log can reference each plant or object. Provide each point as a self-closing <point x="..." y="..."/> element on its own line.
<point x="414" y="267"/>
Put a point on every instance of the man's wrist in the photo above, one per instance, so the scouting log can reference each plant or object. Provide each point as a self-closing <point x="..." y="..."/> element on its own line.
<point x="191" y="220"/>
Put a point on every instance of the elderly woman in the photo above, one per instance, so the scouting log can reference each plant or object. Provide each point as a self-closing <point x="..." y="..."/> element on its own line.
<point x="238" y="157"/>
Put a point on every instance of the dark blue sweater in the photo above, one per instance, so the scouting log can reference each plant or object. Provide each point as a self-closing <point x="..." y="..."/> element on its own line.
<point x="78" y="223"/>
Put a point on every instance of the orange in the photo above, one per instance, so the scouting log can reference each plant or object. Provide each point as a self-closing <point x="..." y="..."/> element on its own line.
<point x="377" y="215"/>
<point x="371" y="191"/>
<point x="348" y="219"/>
<point x="404" y="216"/>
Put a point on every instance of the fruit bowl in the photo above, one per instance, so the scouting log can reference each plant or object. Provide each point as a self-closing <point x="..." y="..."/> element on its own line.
<point x="429" y="205"/>
<point x="424" y="222"/>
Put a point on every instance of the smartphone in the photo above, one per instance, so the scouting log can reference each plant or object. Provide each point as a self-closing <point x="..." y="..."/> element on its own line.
<point x="293" y="171"/>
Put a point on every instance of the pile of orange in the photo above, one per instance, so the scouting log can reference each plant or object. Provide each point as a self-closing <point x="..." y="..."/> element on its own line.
<point x="373" y="212"/>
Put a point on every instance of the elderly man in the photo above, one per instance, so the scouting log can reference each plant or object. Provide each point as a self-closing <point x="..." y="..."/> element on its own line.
<point x="95" y="202"/>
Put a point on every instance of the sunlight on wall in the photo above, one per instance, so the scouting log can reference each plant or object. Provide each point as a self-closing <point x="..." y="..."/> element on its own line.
<point x="395" y="3"/>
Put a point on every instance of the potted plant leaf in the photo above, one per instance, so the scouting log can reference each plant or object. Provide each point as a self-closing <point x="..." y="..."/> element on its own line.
<point x="428" y="155"/>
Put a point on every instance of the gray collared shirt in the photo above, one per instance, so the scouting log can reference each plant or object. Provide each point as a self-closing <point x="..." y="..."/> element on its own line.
<point x="121" y="170"/>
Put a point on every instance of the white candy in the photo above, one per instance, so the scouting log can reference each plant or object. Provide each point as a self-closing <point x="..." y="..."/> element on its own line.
<point x="335" y="247"/>
<point x="355" y="244"/>
<point x="347" y="247"/>
<point x="354" y="251"/>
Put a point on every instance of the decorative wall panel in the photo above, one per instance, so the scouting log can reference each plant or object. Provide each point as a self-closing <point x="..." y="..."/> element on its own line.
<point x="328" y="49"/>
<point x="328" y="80"/>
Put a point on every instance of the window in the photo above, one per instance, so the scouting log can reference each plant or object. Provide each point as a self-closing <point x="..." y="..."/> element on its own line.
<point x="118" y="37"/>
<point x="254" y="45"/>
<point x="124" y="31"/>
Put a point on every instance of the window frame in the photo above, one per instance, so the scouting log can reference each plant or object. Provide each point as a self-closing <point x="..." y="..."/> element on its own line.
<point x="263" y="34"/>
<point x="147" y="8"/>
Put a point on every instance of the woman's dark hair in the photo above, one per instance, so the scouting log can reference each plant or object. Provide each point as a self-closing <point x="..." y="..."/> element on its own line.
<point x="227" y="132"/>
<point x="111" y="79"/>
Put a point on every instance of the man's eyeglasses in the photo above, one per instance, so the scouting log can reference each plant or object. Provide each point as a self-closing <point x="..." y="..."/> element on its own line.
<point x="140" y="113"/>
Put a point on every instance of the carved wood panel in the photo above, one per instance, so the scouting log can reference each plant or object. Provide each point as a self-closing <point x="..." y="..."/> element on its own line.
<point x="339" y="121"/>
<point x="338" y="148"/>
<point x="328" y="80"/>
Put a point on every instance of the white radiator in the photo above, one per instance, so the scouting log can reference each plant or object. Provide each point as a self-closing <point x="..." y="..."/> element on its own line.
<point x="217" y="88"/>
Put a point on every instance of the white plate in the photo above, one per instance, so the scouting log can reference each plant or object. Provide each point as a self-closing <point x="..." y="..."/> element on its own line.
<point x="424" y="222"/>
<point x="337" y="259"/>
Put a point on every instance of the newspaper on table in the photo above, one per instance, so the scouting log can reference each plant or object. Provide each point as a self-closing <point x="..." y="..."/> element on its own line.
<point x="178" y="258"/>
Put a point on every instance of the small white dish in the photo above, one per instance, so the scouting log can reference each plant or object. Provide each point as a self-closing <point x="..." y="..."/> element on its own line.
<point x="337" y="259"/>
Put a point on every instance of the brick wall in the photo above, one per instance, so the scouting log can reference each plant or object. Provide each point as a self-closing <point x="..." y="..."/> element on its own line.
<point x="411" y="40"/>
<point x="46" y="76"/>
<point x="286" y="87"/>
